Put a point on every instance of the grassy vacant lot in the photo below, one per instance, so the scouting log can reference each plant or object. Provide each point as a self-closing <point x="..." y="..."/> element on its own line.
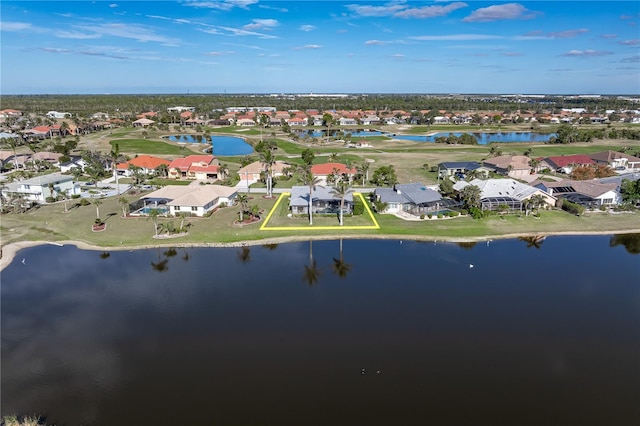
<point x="153" y="147"/>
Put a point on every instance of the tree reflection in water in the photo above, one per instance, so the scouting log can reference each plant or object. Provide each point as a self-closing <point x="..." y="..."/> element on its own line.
<point x="533" y="241"/>
<point x="244" y="254"/>
<point x="340" y="267"/>
<point x="631" y="242"/>
<point x="105" y="255"/>
<point x="311" y="271"/>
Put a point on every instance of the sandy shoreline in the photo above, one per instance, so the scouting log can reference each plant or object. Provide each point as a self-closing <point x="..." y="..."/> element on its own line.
<point x="10" y="251"/>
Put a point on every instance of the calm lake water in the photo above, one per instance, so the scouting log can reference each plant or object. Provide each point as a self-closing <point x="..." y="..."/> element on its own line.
<point x="535" y="333"/>
<point x="222" y="145"/>
<point x="485" y="138"/>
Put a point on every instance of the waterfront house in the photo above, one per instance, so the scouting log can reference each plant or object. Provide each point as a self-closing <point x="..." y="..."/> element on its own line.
<point x="496" y="194"/>
<point x="413" y="198"/>
<point x="588" y="193"/>
<point x="323" y="201"/>
<point x="193" y="200"/>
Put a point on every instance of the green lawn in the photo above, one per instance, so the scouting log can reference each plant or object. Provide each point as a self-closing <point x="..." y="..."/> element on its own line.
<point x="152" y="147"/>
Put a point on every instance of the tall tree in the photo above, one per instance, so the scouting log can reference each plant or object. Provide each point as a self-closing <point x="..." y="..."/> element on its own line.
<point x="341" y="190"/>
<point x="124" y="204"/>
<point x="470" y="195"/>
<point x="308" y="156"/>
<point x="311" y="182"/>
<point x="268" y="159"/>
<point x="243" y="201"/>
<point x="115" y="156"/>
<point x="153" y="215"/>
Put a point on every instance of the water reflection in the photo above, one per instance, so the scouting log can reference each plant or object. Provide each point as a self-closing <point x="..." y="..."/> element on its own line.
<point x="467" y="245"/>
<point x="105" y="255"/>
<point x="244" y="254"/>
<point x="311" y="271"/>
<point x="534" y="241"/>
<point x="631" y="242"/>
<point x="340" y="267"/>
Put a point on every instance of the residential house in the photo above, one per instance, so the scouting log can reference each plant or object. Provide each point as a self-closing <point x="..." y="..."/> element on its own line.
<point x="193" y="200"/>
<point x="9" y="160"/>
<point x="441" y="120"/>
<point x="505" y="193"/>
<point x="459" y="169"/>
<point x="143" y="122"/>
<point x="148" y="114"/>
<point x="147" y="163"/>
<point x="198" y="167"/>
<point x="414" y="198"/>
<point x="371" y="120"/>
<point x="39" y="132"/>
<point x="323" y="201"/>
<point x="323" y="171"/>
<point x="514" y="166"/>
<point x="56" y="114"/>
<point x="298" y="121"/>
<point x="9" y="113"/>
<point x="588" y="193"/>
<point x="348" y="121"/>
<point x="616" y="160"/>
<point x="252" y="172"/>
<point x="245" y="122"/>
<point x="73" y="163"/>
<point x="566" y="163"/>
<point x="38" y="189"/>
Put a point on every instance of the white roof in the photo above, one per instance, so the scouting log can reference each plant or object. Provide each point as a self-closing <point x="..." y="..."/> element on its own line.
<point x="192" y="195"/>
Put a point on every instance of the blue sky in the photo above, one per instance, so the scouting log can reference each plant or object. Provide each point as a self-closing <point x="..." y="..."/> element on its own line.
<point x="256" y="46"/>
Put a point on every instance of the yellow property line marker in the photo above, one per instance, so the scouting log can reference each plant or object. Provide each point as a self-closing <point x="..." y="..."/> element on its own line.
<point x="265" y="225"/>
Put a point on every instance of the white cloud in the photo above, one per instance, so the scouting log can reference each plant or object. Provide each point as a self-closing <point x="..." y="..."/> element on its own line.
<point x="220" y="53"/>
<point x="375" y="43"/>
<point x="112" y="5"/>
<point x="76" y="35"/>
<point x="15" y="26"/>
<point x="430" y="11"/>
<point x="306" y="28"/>
<point x="586" y="53"/>
<point x="135" y="32"/>
<point x="376" y="11"/>
<point x="634" y="42"/>
<point x="221" y="5"/>
<point x="500" y="12"/>
<point x="258" y="24"/>
<point x="456" y="37"/>
<point x="243" y="32"/>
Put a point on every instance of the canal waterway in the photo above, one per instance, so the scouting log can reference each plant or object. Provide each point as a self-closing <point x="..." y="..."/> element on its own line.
<point x="352" y="332"/>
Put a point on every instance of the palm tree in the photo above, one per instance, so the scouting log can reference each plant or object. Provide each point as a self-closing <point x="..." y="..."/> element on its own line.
<point x="341" y="190"/>
<point x="242" y="200"/>
<point x="162" y="170"/>
<point x="364" y="169"/>
<point x="268" y="159"/>
<point x="65" y="197"/>
<point x="340" y="267"/>
<point x="333" y="157"/>
<point x="97" y="202"/>
<point x="124" y="203"/>
<point x="153" y="215"/>
<point x="311" y="181"/>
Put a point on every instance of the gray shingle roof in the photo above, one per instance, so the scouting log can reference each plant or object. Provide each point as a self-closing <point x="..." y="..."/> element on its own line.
<point x="414" y="193"/>
<point x="300" y="195"/>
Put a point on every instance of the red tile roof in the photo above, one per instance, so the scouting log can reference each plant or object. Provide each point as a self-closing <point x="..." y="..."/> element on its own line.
<point x="327" y="168"/>
<point x="186" y="163"/>
<point x="148" y="162"/>
<point x="567" y="160"/>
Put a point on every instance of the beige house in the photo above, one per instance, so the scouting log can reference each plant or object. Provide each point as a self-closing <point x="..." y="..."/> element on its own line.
<point x="143" y="122"/>
<point x="193" y="200"/>
<point x="514" y="166"/>
<point x="252" y="171"/>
